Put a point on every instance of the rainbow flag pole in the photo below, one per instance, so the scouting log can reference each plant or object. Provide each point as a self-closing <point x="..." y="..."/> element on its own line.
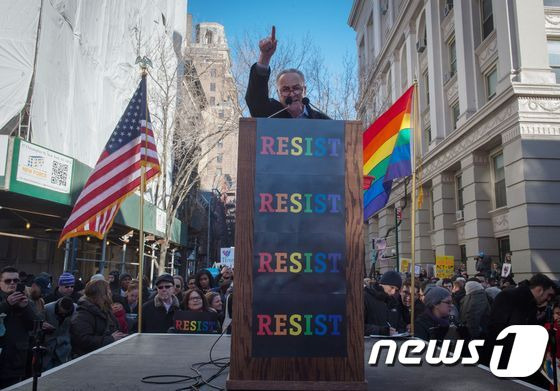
<point x="416" y="151"/>
<point x="387" y="152"/>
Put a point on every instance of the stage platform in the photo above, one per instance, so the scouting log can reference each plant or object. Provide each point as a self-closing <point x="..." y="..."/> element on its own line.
<point x="122" y="365"/>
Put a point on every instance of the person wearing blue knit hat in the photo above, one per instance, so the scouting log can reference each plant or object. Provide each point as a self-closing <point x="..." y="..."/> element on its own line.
<point x="65" y="287"/>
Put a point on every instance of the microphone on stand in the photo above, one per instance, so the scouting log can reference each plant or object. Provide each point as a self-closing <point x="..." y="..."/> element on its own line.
<point x="289" y="101"/>
<point x="308" y="104"/>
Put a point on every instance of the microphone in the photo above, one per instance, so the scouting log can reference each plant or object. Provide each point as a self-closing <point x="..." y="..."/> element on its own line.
<point x="307" y="104"/>
<point x="289" y="101"/>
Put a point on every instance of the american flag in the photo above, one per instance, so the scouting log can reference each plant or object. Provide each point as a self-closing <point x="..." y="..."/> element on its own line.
<point x="117" y="172"/>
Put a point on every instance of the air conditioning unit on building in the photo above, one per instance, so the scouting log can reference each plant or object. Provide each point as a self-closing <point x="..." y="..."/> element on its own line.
<point x="459" y="215"/>
<point x="420" y="46"/>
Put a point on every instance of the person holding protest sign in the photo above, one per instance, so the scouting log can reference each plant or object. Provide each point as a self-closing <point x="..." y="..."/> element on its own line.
<point x="290" y="85"/>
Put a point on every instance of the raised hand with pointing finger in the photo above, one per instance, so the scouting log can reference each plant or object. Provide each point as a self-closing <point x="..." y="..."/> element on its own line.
<point x="267" y="47"/>
<point x="290" y="86"/>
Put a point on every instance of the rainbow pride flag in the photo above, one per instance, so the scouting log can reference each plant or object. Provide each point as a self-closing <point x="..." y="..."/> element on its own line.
<point x="387" y="152"/>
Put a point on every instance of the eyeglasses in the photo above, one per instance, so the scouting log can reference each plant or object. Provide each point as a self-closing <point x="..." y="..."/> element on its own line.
<point x="297" y="89"/>
<point x="195" y="298"/>
<point x="10" y="281"/>
<point x="160" y="287"/>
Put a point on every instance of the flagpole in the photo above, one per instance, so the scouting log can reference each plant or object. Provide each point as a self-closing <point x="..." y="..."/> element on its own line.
<point x="141" y="225"/>
<point x="413" y="208"/>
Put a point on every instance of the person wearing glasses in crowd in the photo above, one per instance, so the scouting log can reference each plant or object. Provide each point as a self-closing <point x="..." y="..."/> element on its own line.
<point x="290" y="83"/>
<point x="65" y="287"/>
<point x="158" y="313"/>
<point x="195" y="301"/>
<point x="433" y="323"/>
<point x="14" y="335"/>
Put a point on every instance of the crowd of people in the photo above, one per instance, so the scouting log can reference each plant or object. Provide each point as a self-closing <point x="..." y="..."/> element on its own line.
<point x="76" y="318"/>
<point x="461" y="307"/>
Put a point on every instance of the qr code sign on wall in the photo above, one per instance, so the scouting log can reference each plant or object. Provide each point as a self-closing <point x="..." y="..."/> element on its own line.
<point x="59" y="173"/>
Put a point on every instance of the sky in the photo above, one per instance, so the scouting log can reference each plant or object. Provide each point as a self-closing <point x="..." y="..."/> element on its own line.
<point x="324" y="20"/>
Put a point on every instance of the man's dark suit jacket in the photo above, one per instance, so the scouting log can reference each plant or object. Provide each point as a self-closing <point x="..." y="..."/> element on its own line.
<point x="260" y="105"/>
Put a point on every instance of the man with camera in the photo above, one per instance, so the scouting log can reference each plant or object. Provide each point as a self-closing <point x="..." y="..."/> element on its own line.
<point x="19" y="321"/>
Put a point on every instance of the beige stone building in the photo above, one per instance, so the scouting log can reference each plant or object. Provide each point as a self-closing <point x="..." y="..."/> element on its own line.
<point x="211" y="56"/>
<point x="489" y="98"/>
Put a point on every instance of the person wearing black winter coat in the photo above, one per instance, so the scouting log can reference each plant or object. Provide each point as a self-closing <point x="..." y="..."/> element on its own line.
<point x="56" y="294"/>
<point x="155" y="318"/>
<point x="158" y="313"/>
<point x="475" y="310"/>
<point x="290" y="83"/>
<point x="433" y="323"/>
<point x="381" y="312"/>
<point x="94" y="325"/>
<point x="14" y="336"/>
<point x="519" y="306"/>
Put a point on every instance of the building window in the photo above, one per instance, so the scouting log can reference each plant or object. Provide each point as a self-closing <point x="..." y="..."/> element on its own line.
<point x="404" y="72"/>
<point x="428" y="135"/>
<point x="452" y="58"/>
<point x="427" y="87"/>
<point x="459" y="191"/>
<point x="432" y="211"/>
<point x="491" y="79"/>
<point x="447" y="7"/>
<point x="463" y="251"/>
<point x="552" y="3"/>
<point x="212" y="87"/>
<point x="212" y="72"/>
<point x="362" y="59"/>
<point x="554" y="57"/>
<point x="220" y="144"/>
<point x="499" y="180"/>
<point x="389" y="87"/>
<point x="221" y="114"/>
<point x="455" y="114"/>
<point x="218" y="172"/>
<point x="503" y="248"/>
<point x="212" y="100"/>
<point x="487" y="18"/>
<point x="209" y="37"/>
<point x="370" y="40"/>
<point x="219" y="158"/>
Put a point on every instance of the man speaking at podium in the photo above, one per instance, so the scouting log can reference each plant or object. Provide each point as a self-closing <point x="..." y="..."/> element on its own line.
<point x="290" y="84"/>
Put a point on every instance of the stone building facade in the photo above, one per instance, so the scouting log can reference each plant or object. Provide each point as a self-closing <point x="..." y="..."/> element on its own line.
<point x="489" y="105"/>
<point x="211" y="56"/>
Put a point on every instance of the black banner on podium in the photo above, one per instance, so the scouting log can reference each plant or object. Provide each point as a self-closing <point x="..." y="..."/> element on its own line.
<point x="299" y="260"/>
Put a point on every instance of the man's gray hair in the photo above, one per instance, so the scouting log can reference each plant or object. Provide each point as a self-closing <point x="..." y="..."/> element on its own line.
<point x="290" y="70"/>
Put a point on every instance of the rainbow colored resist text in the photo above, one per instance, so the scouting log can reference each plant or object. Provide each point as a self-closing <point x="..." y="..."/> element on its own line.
<point x="298" y="324"/>
<point x="300" y="146"/>
<point x="296" y="262"/>
<point x="196" y="325"/>
<point x="300" y="203"/>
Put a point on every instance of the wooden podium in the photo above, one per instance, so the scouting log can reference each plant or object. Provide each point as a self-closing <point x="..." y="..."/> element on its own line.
<point x="299" y="257"/>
